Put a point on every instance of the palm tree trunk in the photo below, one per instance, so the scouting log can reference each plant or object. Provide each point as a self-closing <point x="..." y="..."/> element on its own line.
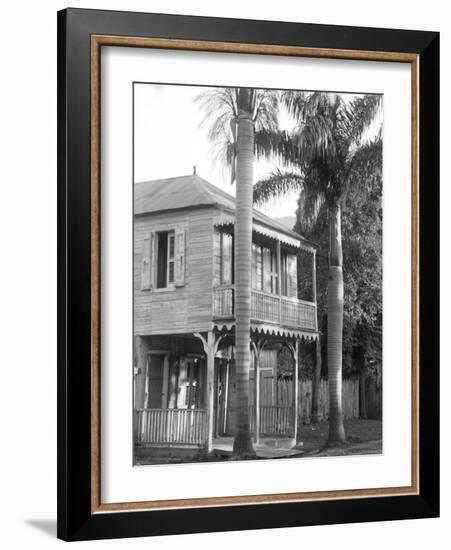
<point x="335" y="329"/>
<point x="242" y="445"/>
<point x="316" y="381"/>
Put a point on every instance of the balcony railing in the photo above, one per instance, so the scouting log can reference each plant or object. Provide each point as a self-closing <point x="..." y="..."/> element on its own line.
<point x="267" y="308"/>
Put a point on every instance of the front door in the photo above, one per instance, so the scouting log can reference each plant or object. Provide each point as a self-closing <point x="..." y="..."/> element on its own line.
<point x="154" y="390"/>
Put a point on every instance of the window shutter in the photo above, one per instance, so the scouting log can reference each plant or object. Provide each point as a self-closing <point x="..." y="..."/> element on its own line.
<point x="217" y="258"/>
<point x="254" y="266"/>
<point x="226" y="259"/>
<point x="180" y="237"/>
<point x="146" y="264"/>
<point x="292" y="283"/>
<point x="266" y="270"/>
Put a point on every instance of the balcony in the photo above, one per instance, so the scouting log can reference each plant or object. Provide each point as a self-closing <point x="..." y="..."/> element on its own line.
<point x="267" y="308"/>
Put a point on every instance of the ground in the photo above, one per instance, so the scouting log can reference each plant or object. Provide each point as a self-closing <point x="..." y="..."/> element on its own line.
<point x="363" y="437"/>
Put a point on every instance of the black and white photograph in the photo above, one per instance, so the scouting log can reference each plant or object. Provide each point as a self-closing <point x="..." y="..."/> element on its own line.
<point x="224" y="284"/>
<point x="257" y="264"/>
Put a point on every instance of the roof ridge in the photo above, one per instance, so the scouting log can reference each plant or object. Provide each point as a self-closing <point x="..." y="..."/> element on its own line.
<point x="215" y="189"/>
<point x="213" y="195"/>
<point x="163" y="179"/>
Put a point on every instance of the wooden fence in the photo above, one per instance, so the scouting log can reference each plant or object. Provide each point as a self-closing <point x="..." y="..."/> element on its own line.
<point x="281" y="394"/>
<point x="350" y="398"/>
<point x="273" y="420"/>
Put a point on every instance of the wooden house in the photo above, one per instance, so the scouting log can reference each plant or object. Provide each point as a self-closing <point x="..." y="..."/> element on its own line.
<point x="184" y="315"/>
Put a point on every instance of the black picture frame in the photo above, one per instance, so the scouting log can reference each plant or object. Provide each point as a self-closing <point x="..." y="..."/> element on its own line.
<point x="76" y="521"/>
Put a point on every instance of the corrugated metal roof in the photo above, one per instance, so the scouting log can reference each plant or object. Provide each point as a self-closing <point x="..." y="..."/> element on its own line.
<point x="192" y="191"/>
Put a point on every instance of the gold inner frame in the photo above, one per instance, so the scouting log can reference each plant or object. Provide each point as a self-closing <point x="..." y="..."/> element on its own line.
<point x="97" y="41"/>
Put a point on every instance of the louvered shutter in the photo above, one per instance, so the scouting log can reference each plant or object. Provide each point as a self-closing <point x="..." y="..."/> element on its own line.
<point x="267" y="270"/>
<point x="292" y="279"/>
<point x="180" y="238"/>
<point x="217" y="258"/>
<point x="146" y="263"/>
<point x="226" y="259"/>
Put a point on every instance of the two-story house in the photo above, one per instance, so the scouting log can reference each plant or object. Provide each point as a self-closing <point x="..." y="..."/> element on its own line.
<point x="184" y="321"/>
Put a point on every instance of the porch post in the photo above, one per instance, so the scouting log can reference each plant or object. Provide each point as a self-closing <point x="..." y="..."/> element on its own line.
<point x="141" y="349"/>
<point x="210" y="348"/>
<point x="257" y="348"/>
<point x="296" y="389"/>
<point x="210" y="351"/>
<point x="279" y="279"/>
<point x="314" y="286"/>
<point x="256" y="392"/>
<point x="226" y="396"/>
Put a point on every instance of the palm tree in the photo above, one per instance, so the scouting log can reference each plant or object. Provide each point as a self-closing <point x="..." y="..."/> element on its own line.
<point x="234" y="113"/>
<point x="323" y="157"/>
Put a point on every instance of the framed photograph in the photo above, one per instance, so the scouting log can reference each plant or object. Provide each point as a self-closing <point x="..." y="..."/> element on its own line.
<point x="248" y="274"/>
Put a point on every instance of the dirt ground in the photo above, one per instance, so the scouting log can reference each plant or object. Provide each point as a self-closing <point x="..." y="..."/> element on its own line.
<point x="363" y="437"/>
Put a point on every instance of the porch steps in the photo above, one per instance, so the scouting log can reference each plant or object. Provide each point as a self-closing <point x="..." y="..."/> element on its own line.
<point x="278" y="442"/>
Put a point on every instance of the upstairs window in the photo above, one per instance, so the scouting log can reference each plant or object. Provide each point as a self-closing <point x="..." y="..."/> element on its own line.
<point x="165" y="253"/>
<point x="222" y="258"/>
<point x="226" y="258"/>
<point x="270" y="276"/>
<point x="163" y="259"/>
<point x="264" y="269"/>
<point x="289" y="275"/>
<point x="257" y="267"/>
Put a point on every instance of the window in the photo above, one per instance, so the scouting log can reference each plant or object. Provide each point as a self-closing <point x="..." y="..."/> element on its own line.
<point x="163" y="259"/>
<point x="257" y="267"/>
<point x="226" y="258"/>
<point x="265" y="272"/>
<point x="264" y="269"/>
<point x="269" y="271"/>
<point x="289" y="275"/>
<point x="165" y="254"/>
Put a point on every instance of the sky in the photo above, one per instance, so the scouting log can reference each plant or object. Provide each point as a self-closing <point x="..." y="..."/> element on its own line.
<point x="169" y="140"/>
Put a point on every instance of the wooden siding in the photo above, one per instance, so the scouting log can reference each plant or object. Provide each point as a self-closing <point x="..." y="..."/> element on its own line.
<point x="188" y="308"/>
<point x="183" y="309"/>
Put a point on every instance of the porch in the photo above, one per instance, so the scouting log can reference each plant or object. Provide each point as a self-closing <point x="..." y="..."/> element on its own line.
<point x="189" y="427"/>
<point x="188" y="399"/>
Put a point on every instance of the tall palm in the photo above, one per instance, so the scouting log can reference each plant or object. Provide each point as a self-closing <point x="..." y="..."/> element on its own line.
<point x="324" y="156"/>
<point x="234" y="114"/>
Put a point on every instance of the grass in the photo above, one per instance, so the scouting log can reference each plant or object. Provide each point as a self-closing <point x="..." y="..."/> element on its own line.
<point x="358" y="432"/>
<point x="363" y="437"/>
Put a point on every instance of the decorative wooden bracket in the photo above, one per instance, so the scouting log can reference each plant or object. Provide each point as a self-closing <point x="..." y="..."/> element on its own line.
<point x="205" y="342"/>
<point x="258" y="346"/>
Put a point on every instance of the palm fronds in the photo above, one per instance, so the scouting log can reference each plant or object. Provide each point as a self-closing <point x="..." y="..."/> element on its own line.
<point x="276" y="184"/>
<point x="222" y="106"/>
<point x="365" y="168"/>
<point x="364" y="110"/>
